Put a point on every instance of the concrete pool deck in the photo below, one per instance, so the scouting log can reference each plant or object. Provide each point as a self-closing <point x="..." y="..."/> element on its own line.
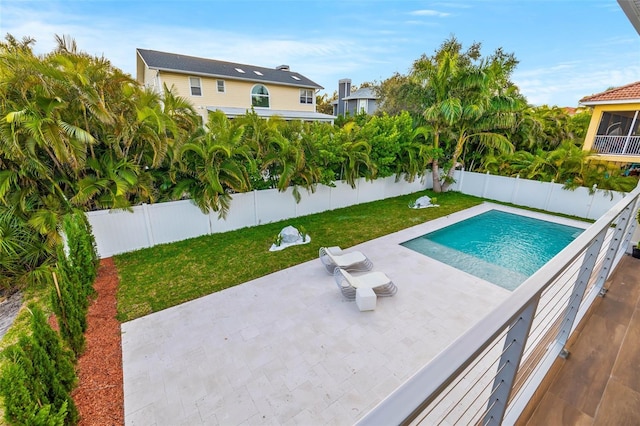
<point x="286" y="348"/>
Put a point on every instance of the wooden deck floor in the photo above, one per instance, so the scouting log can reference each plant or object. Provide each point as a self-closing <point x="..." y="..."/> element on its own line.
<point x="599" y="383"/>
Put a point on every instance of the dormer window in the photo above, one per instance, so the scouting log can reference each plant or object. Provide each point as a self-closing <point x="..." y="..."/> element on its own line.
<point x="195" y="85"/>
<point x="260" y="96"/>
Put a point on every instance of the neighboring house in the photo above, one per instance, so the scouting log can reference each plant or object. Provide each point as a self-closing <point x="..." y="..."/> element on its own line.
<point x="362" y="100"/>
<point x="614" y="130"/>
<point x="232" y="88"/>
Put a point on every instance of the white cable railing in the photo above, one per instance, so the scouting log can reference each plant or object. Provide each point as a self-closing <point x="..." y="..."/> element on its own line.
<point x="488" y="375"/>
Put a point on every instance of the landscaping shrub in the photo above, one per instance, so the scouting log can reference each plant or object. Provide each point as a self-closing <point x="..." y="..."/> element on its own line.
<point x="38" y="377"/>
<point x="75" y="274"/>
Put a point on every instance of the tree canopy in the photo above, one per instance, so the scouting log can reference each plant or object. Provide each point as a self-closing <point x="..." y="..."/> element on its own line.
<point x="78" y="134"/>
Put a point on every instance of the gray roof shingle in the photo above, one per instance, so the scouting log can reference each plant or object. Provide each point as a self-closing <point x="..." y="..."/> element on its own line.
<point x="362" y="93"/>
<point x="209" y="67"/>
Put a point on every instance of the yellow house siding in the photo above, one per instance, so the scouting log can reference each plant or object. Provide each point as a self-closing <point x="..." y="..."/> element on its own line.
<point x="287" y="98"/>
<point x="237" y="93"/>
<point x="619" y="159"/>
<point x="140" y="70"/>
<point x="593" y="128"/>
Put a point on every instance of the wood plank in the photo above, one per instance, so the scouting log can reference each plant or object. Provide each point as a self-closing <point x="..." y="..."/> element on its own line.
<point x="620" y="406"/>
<point x="587" y="370"/>
<point x="554" y="410"/>
<point x="627" y="367"/>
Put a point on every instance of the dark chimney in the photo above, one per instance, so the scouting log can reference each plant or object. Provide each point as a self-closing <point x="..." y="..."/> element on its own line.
<point x="344" y="90"/>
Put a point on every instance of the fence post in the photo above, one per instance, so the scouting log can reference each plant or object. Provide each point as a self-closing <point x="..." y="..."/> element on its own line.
<point x="546" y="202"/>
<point x="514" y="345"/>
<point x="516" y="186"/>
<point x="255" y="207"/>
<point x="486" y="183"/>
<point x="594" y="188"/>
<point x="579" y="287"/>
<point x="147" y="225"/>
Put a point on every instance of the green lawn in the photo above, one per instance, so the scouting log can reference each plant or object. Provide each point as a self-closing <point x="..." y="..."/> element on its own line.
<point x="166" y="275"/>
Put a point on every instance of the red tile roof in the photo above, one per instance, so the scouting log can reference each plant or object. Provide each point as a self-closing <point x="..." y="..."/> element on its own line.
<point x="629" y="92"/>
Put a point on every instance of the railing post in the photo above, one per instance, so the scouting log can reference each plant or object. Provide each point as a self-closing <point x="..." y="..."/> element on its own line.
<point x="509" y="363"/>
<point x="626" y="140"/>
<point x="579" y="287"/>
<point x="614" y="245"/>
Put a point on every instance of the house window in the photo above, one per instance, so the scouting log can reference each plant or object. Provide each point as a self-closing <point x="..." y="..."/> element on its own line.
<point x="196" y="88"/>
<point x="363" y="105"/>
<point x="306" y="96"/>
<point x="220" y="86"/>
<point x="260" y="96"/>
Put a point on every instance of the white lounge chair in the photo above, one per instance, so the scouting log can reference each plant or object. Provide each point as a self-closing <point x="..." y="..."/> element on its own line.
<point x="334" y="257"/>
<point x="379" y="282"/>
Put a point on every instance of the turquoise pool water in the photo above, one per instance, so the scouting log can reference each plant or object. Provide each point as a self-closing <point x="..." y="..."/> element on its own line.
<point x="499" y="247"/>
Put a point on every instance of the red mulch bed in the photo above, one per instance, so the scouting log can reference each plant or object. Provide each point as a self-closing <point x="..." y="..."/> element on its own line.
<point x="99" y="395"/>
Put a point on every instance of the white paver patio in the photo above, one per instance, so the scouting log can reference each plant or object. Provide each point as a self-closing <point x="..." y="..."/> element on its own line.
<point x="286" y="349"/>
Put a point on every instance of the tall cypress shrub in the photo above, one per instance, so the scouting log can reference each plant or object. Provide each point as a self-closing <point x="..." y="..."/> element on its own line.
<point x="38" y="377"/>
<point x="69" y="305"/>
<point x="82" y="254"/>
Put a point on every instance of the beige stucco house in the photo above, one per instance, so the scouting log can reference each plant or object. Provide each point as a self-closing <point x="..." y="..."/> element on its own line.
<point x="232" y="88"/>
<point x="614" y="130"/>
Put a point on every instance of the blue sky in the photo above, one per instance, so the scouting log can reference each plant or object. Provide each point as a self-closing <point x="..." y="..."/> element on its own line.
<point x="567" y="49"/>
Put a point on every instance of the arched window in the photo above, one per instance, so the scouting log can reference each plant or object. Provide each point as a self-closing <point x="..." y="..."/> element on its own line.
<point x="259" y="96"/>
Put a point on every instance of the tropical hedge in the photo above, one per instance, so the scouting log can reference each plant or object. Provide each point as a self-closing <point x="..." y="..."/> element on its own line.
<point x="78" y="134"/>
<point x="38" y="372"/>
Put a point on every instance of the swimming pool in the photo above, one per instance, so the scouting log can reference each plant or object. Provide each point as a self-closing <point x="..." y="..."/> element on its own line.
<point x="499" y="247"/>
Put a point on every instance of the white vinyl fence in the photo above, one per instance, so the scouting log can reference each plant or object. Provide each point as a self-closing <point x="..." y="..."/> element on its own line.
<point x="546" y="196"/>
<point x="119" y="231"/>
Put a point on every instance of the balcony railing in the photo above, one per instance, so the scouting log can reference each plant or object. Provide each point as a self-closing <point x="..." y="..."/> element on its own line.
<point x="489" y="374"/>
<point x="617" y="145"/>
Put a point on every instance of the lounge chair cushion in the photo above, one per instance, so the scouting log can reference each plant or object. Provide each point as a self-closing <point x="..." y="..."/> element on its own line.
<point x="332" y="257"/>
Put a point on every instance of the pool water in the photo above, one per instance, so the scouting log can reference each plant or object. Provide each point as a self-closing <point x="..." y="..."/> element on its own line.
<point x="499" y="247"/>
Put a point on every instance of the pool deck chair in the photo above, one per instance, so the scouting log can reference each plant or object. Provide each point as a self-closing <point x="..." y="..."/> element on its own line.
<point x="334" y="257"/>
<point x="379" y="282"/>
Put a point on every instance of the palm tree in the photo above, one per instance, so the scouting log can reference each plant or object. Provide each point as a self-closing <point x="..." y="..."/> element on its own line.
<point x="78" y="132"/>
<point x="469" y="100"/>
<point x="356" y="154"/>
<point x="213" y="164"/>
<point x="322" y="151"/>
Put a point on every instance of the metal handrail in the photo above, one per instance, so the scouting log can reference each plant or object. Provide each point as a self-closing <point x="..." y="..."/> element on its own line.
<point x="622" y="145"/>
<point x="406" y="404"/>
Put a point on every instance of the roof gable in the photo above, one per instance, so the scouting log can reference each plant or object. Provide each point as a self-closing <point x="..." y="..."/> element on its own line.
<point x="629" y="93"/>
<point x="209" y="67"/>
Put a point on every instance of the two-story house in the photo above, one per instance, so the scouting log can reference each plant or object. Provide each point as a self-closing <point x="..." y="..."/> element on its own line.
<point x="614" y="130"/>
<point x="362" y="100"/>
<point x="232" y="88"/>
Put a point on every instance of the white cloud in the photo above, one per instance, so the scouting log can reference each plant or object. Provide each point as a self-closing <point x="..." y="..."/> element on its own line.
<point x="429" y="12"/>
<point x="566" y="84"/>
<point x="324" y="59"/>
